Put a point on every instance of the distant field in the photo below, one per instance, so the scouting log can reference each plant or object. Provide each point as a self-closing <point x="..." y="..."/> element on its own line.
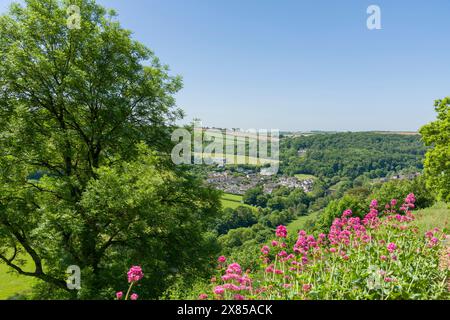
<point x="12" y="284"/>
<point x="436" y="216"/>
<point x="301" y="176"/>
<point x="295" y="226"/>
<point x="242" y="159"/>
<point x="405" y="133"/>
<point x="232" y="201"/>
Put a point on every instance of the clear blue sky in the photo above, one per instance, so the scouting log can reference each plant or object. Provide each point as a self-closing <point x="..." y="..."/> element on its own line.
<point x="299" y="65"/>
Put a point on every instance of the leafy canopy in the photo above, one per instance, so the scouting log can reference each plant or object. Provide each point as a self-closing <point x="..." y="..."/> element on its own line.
<point x="437" y="161"/>
<point x="85" y="117"/>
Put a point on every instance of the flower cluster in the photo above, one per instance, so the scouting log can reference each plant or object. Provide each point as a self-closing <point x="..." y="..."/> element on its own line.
<point x="358" y="259"/>
<point x="234" y="285"/>
<point x="134" y="275"/>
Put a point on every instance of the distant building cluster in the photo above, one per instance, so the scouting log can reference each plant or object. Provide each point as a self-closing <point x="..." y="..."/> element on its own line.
<point x="409" y="176"/>
<point x="239" y="183"/>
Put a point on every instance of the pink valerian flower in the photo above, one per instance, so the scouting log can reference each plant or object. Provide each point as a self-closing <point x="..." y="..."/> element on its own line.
<point x="219" y="290"/>
<point x="281" y="232"/>
<point x="347" y="213"/>
<point x="433" y="242"/>
<point x="134" y="296"/>
<point x="429" y="234"/>
<point x="307" y="287"/>
<point x="265" y="250"/>
<point x="234" y="268"/>
<point x="277" y="271"/>
<point x="374" y="203"/>
<point x="203" y="296"/>
<point x="394" y="202"/>
<point x="383" y="258"/>
<point x="231" y="286"/>
<point x="391" y="247"/>
<point x="274" y="243"/>
<point x="283" y="254"/>
<point x="135" y="274"/>
<point x="270" y="269"/>
<point x="222" y="259"/>
<point x="239" y="297"/>
<point x="410" y="199"/>
<point x="119" y="295"/>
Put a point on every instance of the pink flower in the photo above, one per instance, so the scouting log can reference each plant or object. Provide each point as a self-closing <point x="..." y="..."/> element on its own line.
<point x="134" y="296"/>
<point x="383" y="258"/>
<point x="265" y="250"/>
<point x="238" y="297"/>
<point x="234" y="268"/>
<point x="393" y="202"/>
<point x="281" y="232"/>
<point x="347" y="213"/>
<point x="119" y="295"/>
<point x="219" y="290"/>
<point x="222" y="259"/>
<point x="203" y="296"/>
<point x="307" y="287"/>
<point x="391" y="247"/>
<point x="374" y="203"/>
<point x="274" y="243"/>
<point x="282" y="254"/>
<point x="135" y="274"/>
<point x="410" y="199"/>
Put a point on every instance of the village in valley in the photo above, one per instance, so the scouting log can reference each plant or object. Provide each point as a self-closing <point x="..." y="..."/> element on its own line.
<point x="242" y="180"/>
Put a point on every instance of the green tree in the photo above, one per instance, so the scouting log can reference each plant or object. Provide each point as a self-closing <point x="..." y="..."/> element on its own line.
<point x="437" y="163"/>
<point x="80" y="111"/>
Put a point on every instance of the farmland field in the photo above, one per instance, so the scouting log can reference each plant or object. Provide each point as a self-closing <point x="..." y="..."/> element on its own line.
<point x="232" y="201"/>
<point x="13" y="284"/>
<point x="301" y="176"/>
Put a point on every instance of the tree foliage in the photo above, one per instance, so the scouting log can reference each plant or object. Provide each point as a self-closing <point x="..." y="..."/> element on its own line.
<point x="85" y="117"/>
<point x="437" y="161"/>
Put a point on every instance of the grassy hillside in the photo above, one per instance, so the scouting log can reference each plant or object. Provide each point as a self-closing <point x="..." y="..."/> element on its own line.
<point x="299" y="223"/>
<point x="13" y="284"/>
<point x="232" y="201"/>
<point x="436" y="216"/>
<point x="427" y="219"/>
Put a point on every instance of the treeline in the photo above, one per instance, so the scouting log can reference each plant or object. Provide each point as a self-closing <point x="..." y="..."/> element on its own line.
<point x="351" y="154"/>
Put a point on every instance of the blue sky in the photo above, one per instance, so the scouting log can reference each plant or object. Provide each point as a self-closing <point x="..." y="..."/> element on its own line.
<point x="299" y="65"/>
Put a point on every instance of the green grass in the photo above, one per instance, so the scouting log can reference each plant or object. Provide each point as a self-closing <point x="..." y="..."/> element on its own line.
<point x="240" y="159"/>
<point x="435" y="216"/>
<point x="298" y="224"/>
<point x="301" y="176"/>
<point x="12" y="284"/>
<point x="232" y="201"/>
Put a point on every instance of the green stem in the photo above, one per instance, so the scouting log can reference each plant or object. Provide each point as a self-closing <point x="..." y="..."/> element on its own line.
<point x="129" y="290"/>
